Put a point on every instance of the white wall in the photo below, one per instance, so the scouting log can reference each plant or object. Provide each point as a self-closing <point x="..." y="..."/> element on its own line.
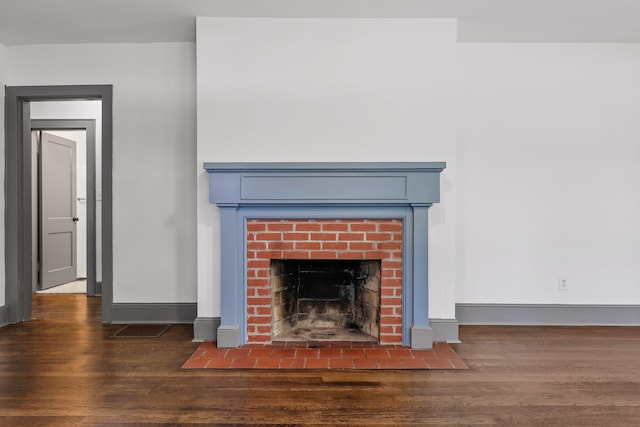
<point x="153" y="155"/>
<point x="80" y="110"/>
<point x="542" y="182"/>
<point x="549" y="173"/>
<point x="3" y="66"/>
<point x="327" y="90"/>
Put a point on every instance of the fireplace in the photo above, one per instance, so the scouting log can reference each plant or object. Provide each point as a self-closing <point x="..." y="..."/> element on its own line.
<point x="325" y="300"/>
<point x="324" y="251"/>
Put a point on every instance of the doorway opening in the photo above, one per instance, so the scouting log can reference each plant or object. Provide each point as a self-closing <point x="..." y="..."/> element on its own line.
<point x="55" y="268"/>
<point x="19" y="194"/>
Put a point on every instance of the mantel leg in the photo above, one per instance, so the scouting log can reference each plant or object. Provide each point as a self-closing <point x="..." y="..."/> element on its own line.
<point x="229" y="334"/>
<point x="421" y="332"/>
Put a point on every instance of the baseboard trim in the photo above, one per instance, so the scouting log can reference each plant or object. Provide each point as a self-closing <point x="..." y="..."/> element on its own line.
<point x="206" y="329"/>
<point x="548" y="314"/>
<point x="172" y="313"/>
<point x="445" y="330"/>
<point x="4" y="316"/>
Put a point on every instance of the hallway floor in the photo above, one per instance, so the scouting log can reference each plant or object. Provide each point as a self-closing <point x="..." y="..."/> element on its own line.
<point x="76" y="287"/>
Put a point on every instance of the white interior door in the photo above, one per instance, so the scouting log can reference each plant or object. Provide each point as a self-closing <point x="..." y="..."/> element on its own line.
<point x="57" y="210"/>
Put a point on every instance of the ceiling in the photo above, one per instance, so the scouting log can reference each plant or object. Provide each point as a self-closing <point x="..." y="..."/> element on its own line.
<point x="141" y="21"/>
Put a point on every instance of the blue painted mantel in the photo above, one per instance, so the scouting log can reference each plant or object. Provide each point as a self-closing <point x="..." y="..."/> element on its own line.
<point x="386" y="190"/>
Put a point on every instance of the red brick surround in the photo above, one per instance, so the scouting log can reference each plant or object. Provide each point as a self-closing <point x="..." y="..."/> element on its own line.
<point x="366" y="239"/>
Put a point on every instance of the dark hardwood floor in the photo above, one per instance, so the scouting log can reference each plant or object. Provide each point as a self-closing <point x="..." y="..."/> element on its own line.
<point x="63" y="368"/>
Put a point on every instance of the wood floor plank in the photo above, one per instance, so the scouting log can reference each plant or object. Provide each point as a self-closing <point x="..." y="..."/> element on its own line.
<point x="63" y="368"/>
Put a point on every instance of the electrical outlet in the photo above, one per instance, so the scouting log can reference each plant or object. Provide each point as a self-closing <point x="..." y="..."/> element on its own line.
<point x="563" y="285"/>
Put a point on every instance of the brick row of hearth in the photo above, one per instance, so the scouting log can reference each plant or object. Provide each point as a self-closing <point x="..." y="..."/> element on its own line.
<point x="340" y="355"/>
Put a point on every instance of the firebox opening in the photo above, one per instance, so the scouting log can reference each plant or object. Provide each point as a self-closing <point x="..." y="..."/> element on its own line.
<point x="326" y="300"/>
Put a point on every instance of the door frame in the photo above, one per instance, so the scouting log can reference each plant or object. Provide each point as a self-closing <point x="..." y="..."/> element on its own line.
<point x="18" y="209"/>
<point x="89" y="127"/>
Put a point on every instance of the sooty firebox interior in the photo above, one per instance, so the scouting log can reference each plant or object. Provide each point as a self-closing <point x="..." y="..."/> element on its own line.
<point x="326" y="300"/>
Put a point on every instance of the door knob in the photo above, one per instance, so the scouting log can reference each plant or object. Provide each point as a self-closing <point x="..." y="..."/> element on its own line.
<point x="75" y="219"/>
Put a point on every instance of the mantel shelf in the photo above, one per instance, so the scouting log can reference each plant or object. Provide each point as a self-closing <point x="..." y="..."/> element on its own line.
<point x="393" y="183"/>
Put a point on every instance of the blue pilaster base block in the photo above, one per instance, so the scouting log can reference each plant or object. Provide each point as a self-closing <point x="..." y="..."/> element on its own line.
<point x="228" y="337"/>
<point x="421" y="337"/>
